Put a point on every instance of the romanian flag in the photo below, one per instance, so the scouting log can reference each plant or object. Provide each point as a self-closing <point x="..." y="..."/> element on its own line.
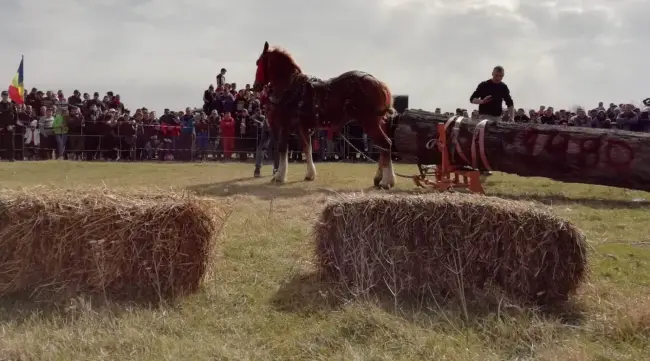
<point x="17" y="88"/>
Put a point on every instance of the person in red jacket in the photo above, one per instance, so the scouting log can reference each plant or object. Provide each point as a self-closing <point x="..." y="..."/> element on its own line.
<point x="227" y="127"/>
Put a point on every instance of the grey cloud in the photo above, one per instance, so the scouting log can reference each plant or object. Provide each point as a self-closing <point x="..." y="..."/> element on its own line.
<point x="163" y="53"/>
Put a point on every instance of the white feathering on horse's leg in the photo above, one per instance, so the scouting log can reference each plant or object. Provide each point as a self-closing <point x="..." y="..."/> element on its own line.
<point x="311" y="168"/>
<point x="388" y="177"/>
<point x="378" y="175"/>
<point x="281" y="174"/>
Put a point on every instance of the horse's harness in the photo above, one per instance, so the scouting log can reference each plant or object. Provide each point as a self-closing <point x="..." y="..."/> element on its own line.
<point x="306" y="95"/>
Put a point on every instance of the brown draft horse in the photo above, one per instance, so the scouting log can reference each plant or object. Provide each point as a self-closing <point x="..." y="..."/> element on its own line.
<point x="299" y="103"/>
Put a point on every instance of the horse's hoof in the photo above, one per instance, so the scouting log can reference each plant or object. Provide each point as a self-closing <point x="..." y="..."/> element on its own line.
<point x="309" y="179"/>
<point x="386" y="185"/>
<point x="376" y="181"/>
<point x="277" y="180"/>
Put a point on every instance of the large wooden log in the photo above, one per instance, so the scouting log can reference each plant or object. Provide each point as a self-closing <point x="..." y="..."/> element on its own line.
<point x="607" y="157"/>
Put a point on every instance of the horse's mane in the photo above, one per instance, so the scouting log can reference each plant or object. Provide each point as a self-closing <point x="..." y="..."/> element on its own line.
<point x="287" y="57"/>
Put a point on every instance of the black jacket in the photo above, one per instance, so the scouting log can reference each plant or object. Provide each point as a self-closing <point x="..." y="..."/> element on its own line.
<point x="8" y="114"/>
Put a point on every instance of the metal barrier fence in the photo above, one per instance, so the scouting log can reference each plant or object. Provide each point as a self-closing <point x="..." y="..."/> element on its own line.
<point x="182" y="147"/>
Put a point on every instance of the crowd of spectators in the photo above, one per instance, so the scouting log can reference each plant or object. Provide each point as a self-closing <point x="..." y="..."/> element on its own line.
<point x="229" y="126"/>
<point x="622" y="116"/>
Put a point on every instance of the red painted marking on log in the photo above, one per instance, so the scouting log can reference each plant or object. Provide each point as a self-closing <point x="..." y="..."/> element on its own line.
<point x="614" y="163"/>
<point x="587" y="147"/>
<point x="558" y="149"/>
<point x="529" y="141"/>
<point x="557" y="143"/>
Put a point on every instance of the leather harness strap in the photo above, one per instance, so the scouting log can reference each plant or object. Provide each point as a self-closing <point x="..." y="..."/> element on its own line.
<point x="458" y="120"/>
<point x="479" y="136"/>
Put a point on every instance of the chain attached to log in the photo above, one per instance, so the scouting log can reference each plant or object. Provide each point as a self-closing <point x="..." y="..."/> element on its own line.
<point x="478" y="135"/>
<point x="372" y="160"/>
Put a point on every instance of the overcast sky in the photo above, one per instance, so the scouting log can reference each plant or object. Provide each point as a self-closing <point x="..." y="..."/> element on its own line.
<point x="164" y="53"/>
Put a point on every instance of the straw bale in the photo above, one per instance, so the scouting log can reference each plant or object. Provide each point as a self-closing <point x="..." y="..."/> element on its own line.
<point x="448" y="243"/>
<point x="146" y="247"/>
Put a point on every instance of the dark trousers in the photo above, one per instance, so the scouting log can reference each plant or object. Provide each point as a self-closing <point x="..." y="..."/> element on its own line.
<point x="91" y="146"/>
<point x="7" y="144"/>
<point x="19" y="144"/>
<point x="48" y="145"/>
<point x="126" y="150"/>
<point x="76" y="143"/>
<point x="108" y="147"/>
<point x="186" y="146"/>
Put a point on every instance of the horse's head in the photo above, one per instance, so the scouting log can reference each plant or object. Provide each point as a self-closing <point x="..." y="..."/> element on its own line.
<point x="273" y="66"/>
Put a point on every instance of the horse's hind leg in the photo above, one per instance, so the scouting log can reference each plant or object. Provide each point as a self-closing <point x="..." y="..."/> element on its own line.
<point x="307" y="148"/>
<point x="385" y="176"/>
<point x="283" y="153"/>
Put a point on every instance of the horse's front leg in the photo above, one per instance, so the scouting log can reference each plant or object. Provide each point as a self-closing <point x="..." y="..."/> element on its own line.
<point x="307" y="149"/>
<point x="283" y="154"/>
<point x="379" y="173"/>
<point x="385" y="176"/>
<point x="388" y="174"/>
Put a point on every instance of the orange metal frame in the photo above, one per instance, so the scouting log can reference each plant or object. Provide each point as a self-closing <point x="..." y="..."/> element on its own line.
<point x="447" y="176"/>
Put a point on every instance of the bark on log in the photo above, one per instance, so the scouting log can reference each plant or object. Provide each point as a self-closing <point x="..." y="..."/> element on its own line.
<point x="606" y="157"/>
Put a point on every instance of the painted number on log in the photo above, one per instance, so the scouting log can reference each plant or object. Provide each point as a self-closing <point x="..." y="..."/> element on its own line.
<point x="588" y="152"/>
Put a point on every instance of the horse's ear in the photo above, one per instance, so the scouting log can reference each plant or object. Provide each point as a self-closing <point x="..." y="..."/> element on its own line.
<point x="266" y="46"/>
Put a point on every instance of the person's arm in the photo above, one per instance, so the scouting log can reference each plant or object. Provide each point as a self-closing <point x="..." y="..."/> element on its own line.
<point x="475" y="98"/>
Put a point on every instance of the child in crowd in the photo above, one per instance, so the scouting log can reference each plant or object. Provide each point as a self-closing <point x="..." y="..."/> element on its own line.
<point x="32" y="140"/>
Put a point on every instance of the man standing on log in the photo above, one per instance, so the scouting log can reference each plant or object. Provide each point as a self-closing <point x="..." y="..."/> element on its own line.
<point x="489" y="96"/>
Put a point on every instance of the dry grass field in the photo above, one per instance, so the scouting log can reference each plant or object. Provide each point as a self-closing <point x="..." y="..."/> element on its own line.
<point x="260" y="300"/>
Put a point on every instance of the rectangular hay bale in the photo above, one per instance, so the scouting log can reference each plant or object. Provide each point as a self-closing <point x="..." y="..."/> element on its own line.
<point x="436" y="242"/>
<point x="96" y="241"/>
